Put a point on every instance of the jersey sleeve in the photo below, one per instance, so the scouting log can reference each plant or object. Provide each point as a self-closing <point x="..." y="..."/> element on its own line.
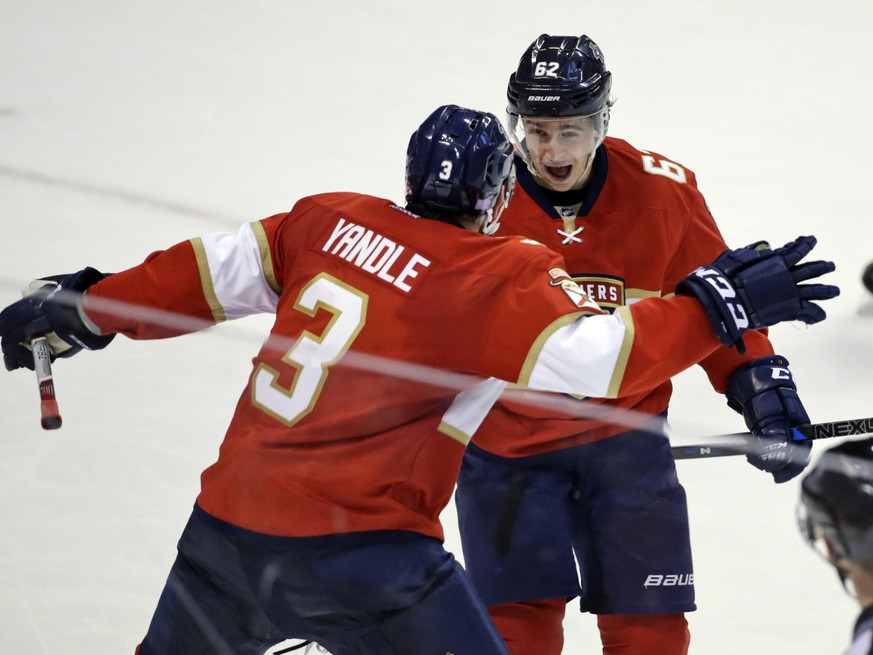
<point x="724" y="361"/>
<point x="537" y="300"/>
<point x="700" y="243"/>
<point x="630" y="351"/>
<point x="190" y="286"/>
<point x="586" y="351"/>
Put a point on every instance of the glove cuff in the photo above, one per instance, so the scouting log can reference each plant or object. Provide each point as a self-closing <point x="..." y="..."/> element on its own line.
<point x="62" y="308"/>
<point x="725" y="312"/>
<point x="763" y="391"/>
<point x="757" y="376"/>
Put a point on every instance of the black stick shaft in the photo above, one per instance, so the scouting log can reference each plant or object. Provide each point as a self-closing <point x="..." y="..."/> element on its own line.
<point x="740" y="443"/>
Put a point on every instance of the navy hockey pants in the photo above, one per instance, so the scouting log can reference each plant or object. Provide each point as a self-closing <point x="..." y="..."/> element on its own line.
<point x="614" y="506"/>
<point x="235" y="592"/>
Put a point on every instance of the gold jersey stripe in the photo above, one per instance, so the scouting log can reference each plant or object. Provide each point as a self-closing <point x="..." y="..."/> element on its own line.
<point x="266" y="258"/>
<point x="641" y="294"/>
<point x="206" y="281"/>
<point x="454" y="433"/>
<point x="624" y="354"/>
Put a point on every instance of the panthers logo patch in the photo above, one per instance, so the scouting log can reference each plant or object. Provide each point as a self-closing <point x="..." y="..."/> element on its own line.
<point x="560" y="278"/>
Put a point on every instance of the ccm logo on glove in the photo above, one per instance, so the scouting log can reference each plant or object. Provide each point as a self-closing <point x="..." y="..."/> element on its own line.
<point x="727" y="292"/>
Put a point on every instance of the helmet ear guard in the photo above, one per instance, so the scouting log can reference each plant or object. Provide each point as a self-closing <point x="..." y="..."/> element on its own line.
<point x="459" y="161"/>
<point x="492" y="222"/>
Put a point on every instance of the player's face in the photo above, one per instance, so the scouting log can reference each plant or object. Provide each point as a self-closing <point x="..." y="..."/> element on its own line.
<point x="559" y="149"/>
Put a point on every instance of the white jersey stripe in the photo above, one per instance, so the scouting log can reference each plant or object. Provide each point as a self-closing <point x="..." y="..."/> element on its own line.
<point x="236" y="270"/>
<point x="586" y="356"/>
<point x="469" y="408"/>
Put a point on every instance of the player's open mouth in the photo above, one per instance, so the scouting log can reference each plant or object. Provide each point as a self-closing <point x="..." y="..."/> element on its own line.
<point x="560" y="173"/>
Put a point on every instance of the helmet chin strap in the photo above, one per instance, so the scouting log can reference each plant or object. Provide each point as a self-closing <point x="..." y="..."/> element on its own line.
<point x="488" y="226"/>
<point x="588" y="168"/>
<point x="491" y="222"/>
<point x="600" y="138"/>
<point x="848" y="584"/>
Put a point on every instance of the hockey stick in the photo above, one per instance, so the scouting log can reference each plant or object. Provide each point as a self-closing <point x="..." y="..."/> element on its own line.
<point x="48" y="404"/>
<point x="293" y="648"/>
<point x="740" y="443"/>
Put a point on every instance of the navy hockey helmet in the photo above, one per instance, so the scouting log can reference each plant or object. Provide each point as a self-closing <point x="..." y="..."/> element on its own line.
<point x="459" y="161"/>
<point x="836" y="501"/>
<point x="560" y="76"/>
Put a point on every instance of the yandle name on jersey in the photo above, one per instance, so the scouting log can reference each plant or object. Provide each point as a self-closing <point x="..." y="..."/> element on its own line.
<point x="375" y="254"/>
<point x="378" y="255"/>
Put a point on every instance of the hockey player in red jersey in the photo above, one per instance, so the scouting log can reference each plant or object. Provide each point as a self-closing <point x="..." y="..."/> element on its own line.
<point x="319" y="520"/>
<point x="538" y="487"/>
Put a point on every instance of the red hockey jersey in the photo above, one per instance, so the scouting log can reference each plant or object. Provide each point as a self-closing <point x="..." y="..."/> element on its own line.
<point x="642" y="226"/>
<point x="361" y="402"/>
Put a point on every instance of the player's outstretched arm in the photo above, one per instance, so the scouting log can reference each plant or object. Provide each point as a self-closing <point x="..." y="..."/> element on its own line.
<point x="743" y="289"/>
<point x="754" y="287"/>
<point x="644" y="344"/>
<point x="53" y="309"/>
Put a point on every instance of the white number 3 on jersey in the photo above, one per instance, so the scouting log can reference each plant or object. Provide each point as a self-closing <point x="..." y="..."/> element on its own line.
<point x="312" y="354"/>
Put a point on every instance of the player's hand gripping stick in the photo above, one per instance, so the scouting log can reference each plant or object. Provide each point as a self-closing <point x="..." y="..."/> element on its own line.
<point x="48" y="404"/>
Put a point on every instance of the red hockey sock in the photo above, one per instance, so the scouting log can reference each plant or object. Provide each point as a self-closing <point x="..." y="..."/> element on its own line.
<point x="531" y="627"/>
<point x="644" y="634"/>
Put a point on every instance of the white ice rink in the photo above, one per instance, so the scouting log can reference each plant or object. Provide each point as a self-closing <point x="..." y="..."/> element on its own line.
<point x="128" y="126"/>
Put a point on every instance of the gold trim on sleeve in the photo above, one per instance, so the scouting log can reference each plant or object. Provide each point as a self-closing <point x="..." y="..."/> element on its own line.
<point x="454" y="433"/>
<point x="266" y="257"/>
<point x="624" y="354"/>
<point x="534" y="352"/>
<point x="206" y="281"/>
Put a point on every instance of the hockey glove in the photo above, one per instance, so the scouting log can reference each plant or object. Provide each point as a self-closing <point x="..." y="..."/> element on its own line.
<point x="753" y="287"/>
<point x="763" y="391"/>
<point x="51" y="309"/>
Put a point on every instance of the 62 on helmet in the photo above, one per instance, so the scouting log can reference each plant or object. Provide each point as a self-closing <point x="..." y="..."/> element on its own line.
<point x="560" y="76"/>
<point x="560" y="87"/>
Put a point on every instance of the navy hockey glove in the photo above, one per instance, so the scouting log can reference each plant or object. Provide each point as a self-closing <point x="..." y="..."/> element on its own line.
<point x="52" y="309"/>
<point x="763" y="391"/>
<point x="753" y="287"/>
